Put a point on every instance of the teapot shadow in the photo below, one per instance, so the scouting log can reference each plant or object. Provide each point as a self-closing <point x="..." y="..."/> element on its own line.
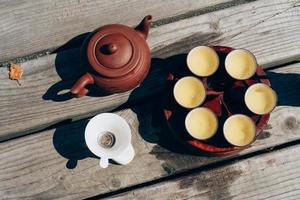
<point x="70" y="67"/>
<point x="73" y="43"/>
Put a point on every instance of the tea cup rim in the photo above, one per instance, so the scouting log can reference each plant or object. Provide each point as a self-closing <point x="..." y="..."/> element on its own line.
<point x="202" y="108"/>
<point x="273" y="91"/>
<point x="240" y="115"/>
<point x="250" y="53"/>
<point x="200" y="47"/>
<point x="196" y="78"/>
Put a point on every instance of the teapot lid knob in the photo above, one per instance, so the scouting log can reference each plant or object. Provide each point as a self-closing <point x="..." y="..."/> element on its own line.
<point x="112" y="48"/>
<point x="113" y="51"/>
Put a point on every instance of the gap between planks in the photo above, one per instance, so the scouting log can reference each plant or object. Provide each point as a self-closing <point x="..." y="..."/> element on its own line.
<point x="58" y="22"/>
<point x="270" y="175"/>
<point x="36" y="105"/>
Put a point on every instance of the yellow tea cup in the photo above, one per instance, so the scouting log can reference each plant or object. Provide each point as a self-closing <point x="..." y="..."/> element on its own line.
<point x="260" y="98"/>
<point x="201" y="123"/>
<point x="203" y="61"/>
<point x="240" y="64"/>
<point x="189" y="92"/>
<point x="239" y="130"/>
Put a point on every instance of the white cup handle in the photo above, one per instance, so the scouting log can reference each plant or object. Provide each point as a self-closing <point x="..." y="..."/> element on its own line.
<point x="103" y="162"/>
<point x="126" y="157"/>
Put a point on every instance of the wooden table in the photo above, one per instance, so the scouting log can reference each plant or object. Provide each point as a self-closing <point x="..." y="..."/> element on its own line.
<point x="43" y="154"/>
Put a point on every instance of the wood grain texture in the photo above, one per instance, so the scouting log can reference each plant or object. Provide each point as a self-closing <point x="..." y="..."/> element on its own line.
<point x="275" y="175"/>
<point x="255" y="26"/>
<point x="267" y="28"/>
<point x="57" y="164"/>
<point x="31" y="26"/>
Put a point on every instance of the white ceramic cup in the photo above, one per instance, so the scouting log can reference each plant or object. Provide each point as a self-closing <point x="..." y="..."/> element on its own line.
<point x="122" y="150"/>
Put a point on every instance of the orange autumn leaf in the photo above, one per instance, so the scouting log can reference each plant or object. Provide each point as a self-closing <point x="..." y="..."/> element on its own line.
<point x="15" y="72"/>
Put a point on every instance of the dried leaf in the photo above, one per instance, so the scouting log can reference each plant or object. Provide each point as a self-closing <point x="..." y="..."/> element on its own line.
<point x="15" y="72"/>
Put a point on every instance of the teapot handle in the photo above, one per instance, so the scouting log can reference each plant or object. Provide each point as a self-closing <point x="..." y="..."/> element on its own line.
<point x="79" y="89"/>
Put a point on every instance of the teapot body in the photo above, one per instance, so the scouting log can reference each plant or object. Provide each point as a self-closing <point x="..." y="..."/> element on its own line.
<point x="116" y="58"/>
<point x="125" y="82"/>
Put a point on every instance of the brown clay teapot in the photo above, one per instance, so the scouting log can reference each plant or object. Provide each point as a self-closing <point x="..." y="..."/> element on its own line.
<point x="117" y="58"/>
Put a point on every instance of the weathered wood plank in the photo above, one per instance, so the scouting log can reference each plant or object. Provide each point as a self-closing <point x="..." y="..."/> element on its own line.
<point x="56" y="163"/>
<point x="35" y="104"/>
<point x="271" y="176"/>
<point x="31" y="26"/>
<point x="266" y="28"/>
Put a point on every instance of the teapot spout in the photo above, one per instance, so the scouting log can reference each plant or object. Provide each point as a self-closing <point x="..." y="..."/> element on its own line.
<point x="144" y="26"/>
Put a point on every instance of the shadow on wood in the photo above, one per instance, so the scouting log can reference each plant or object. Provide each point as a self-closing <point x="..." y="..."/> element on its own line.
<point x="280" y="82"/>
<point x="70" y="143"/>
<point x="150" y="116"/>
<point x="70" y="67"/>
<point x="73" y="43"/>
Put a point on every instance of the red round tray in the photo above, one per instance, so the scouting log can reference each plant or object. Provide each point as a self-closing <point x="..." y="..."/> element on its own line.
<point x="225" y="97"/>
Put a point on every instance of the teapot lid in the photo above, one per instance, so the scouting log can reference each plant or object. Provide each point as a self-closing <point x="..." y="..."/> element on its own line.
<point x="115" y="50"/>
